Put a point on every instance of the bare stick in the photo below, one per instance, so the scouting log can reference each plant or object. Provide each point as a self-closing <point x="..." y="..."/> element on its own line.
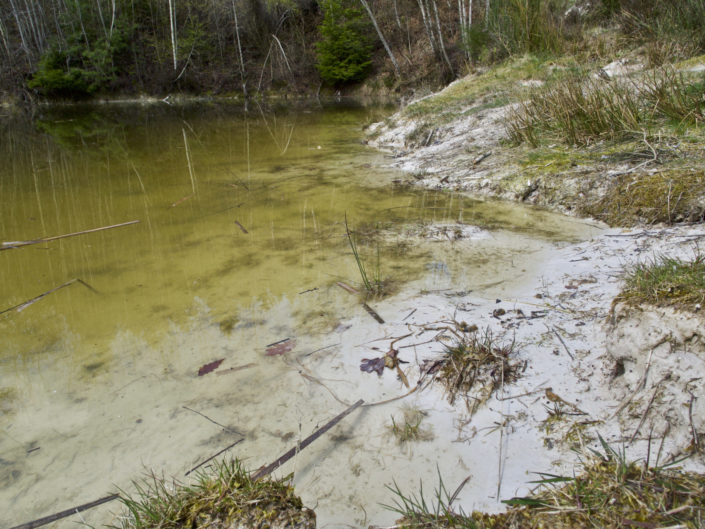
<point x="241" y="227"/>
<point x="696" y="440"/>
<point x="372" y="313"/>
<point x="561" y="340"/>
<point x="211" y="420"/>
<point x="310" y="439"/>
<point x="214" y="456"/>
<point x="643" y="416"/>
<point x="18" y="244"/>
<point x="32" y="301"/>
<point x="66" y="513"/>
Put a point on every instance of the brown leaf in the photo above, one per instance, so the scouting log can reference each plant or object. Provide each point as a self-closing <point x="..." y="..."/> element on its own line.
<point x="207" y="368"/>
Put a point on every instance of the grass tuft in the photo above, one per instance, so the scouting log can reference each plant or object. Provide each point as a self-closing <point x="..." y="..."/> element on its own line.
<point x="374" y="285"/>
<point x="666" y="281"/>
<point x="223" y="496"/>
<point x="610" y="492"/>
<point x="584" y="110"/>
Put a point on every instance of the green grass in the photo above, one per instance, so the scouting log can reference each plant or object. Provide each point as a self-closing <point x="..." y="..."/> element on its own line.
<point x="373" y="283"/>
<point x="223" y="496"/>
<point x="666" y="281"/>
<point x="609" y="492"/>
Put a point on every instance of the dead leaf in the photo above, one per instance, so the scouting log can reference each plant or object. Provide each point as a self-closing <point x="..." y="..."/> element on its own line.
<point x="207" y="368"/>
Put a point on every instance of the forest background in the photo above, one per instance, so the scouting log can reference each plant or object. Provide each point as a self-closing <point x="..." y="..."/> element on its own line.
<point x="83" y="48"/>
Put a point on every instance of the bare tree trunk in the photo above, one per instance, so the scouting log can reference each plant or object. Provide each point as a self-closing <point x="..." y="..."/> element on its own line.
<point x="427" y="25"/>
<point x="239" y="51"/>
<point x="80" y="20"/>
<point x="23" y="39"/>
<point x="102" y="20"/>
<point x="381" y="37"/>
<point x="487" y="13"/>
<point x="112" y="20"/>
<point x="172" y="22"/>
<point x="440" y="37"/>
<point x="396" y="15"/>
<point x="3" y="34"/>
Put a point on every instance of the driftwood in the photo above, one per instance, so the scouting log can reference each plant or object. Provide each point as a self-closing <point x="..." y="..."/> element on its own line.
<point x="32" y="301"/>
<point x="310" y="439"/>
<point x="66" y="513"/>
<point x="19" y="244"/>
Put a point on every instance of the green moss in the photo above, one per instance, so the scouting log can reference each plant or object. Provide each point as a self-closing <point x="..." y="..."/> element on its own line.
<point x="668" y="196"/>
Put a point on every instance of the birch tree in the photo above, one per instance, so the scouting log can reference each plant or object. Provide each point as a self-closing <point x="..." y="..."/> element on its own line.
<point x="172" y="24"/>
<point x="381" y="37"/>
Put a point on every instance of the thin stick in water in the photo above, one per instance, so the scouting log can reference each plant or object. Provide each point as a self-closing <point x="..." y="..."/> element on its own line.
<point x="68" y="512"/>
<point x="25" y="304"/>
<point x="310" y="439"/>
<point x="214" y="456"/>
<point x="18" y="244"/>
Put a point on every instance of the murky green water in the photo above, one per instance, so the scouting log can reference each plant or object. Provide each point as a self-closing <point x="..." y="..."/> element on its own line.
<point x="240" y="243"/>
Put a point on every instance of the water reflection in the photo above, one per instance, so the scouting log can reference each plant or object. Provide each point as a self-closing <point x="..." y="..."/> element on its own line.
<point x="240" y="242"/>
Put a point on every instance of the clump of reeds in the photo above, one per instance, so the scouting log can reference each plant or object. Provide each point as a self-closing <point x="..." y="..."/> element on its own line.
<point x="610" y="492"/>
<point x="223" y="496"/>
<point x="476" y="366"/>
<point x="666" y="281"/>
<point x="373" y="283"/>
<point x="410" y="429"/>
<point x="582" y="110"/>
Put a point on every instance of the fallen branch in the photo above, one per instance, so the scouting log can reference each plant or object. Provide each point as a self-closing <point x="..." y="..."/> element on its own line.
<point x="310" y="439"/>
<point x="25" y="304"/>
<point x="18" y="244"/>
<point x="241" y="227"/>
<point x="66" y="513"/>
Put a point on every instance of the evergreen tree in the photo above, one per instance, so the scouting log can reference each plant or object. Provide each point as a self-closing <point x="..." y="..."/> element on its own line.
<point x="344" y="51"/>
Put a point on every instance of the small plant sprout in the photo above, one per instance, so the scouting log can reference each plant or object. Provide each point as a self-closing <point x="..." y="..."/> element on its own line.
<point x="409" y="428"/>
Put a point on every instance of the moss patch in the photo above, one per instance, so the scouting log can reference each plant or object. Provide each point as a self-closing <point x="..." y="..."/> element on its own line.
<point x="669" y="196"/>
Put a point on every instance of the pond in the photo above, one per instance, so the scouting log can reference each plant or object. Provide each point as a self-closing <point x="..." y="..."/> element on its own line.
<point x="225" y="233"/>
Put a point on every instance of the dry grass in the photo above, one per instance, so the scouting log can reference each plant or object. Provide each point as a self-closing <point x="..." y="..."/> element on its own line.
<point x="585" y="110"/>
<point x="475" y="367"/>
<point x="669" y="197"/>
